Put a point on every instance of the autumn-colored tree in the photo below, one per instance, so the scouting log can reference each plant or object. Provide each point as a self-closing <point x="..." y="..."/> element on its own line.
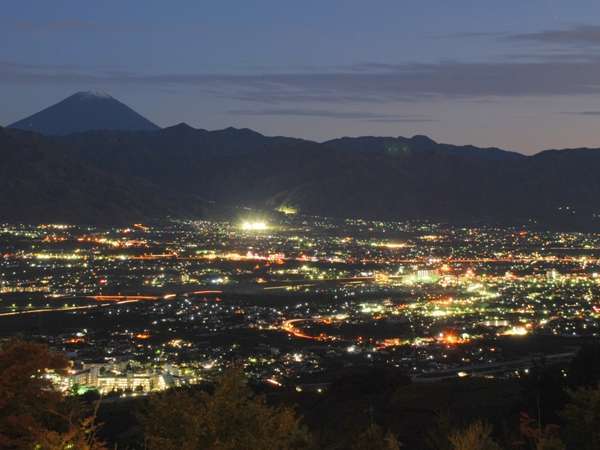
<point x="230" y="418"/>
<point x="477" y="436"/>
<point x="550" y="443"/>
<point x="374" y="438"/>
<point x="78" y="436"/>
<point x="541" y="438"/>
<point x="32" y="413"/>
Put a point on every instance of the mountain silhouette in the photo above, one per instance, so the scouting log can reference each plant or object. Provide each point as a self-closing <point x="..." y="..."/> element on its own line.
<point x="122" y="175"/>
<point x="85" y="111"/>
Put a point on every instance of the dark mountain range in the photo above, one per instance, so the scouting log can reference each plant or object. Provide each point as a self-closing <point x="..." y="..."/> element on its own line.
<point x="85" y="111"/>
<point x="117" y="176"/>
<point x="41" y="181"/>
<point x="400" y="145"/>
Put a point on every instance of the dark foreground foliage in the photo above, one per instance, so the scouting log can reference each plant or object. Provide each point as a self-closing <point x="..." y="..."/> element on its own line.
<point x="32" y="414"/>
<point x="553" y="408"/>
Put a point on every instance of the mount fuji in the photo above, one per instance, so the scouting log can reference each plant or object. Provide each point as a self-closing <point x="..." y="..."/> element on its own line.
<point x="85" y="111"/>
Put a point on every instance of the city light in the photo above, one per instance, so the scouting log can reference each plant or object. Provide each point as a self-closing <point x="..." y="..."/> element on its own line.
<point x="393" y="290"/>
<point x="254" y="225"/>
<point x="516" y="331"/>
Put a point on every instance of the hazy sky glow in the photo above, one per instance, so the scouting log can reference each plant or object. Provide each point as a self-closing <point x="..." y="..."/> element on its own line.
<point x="518" y="75"/>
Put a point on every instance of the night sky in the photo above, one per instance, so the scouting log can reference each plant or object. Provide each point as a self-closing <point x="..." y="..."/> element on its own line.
<point x="521" y="75"/>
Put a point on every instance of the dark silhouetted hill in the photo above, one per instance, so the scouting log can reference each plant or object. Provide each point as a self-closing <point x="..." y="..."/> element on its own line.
<point x="117" y="175"/>
<point x="41" y="181"/>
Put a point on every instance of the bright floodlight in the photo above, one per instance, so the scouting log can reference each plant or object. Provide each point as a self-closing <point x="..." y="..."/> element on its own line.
<point x="251" y="225"/>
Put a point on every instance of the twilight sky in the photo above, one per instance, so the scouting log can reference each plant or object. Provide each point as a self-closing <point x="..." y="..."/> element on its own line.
<point x="522" y="75"/>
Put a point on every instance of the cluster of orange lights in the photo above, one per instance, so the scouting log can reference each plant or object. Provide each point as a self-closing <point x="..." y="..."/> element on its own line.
<point x="450" y="338"/>
<point x="153" y="257"/>
<point x="140" y="226"/>
<point x="288" y="327"/>
<point x="277" y="258"/>
<point x="392" y="342"/>
<point x="54" y="238"/>
<point x="112" y="243"/>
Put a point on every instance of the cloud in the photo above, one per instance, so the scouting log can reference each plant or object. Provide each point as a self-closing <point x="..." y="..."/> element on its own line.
<point x="578" y="34"/>
<point x="356" y="115"/>
<point x="582" y="113"/>
<point x="553" y="55"/>
<point x="472" y="34"/>
<point x="581" y="34"/>
<point x="74" y="25"/>
<point x="370" y="83"/>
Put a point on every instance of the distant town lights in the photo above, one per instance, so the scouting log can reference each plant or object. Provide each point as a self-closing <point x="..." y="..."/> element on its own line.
<point x="251" y="225"/>
<point x="516" y="331"/>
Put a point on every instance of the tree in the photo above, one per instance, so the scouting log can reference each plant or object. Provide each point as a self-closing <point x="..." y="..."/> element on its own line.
<point x="542" y="438"/>
<point x="476" y="436"/>
<point x="230" y="418"/>
<point x="438" y="438"/>
<point x="582" y="419"/>
<point x="543" y="393"/>
<point x="32" y="413"/>
<point x="373" y="438"/>
<point x="78" y="436"/>
<point x="584" y="370"/>
<point x="550" y="443"/>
